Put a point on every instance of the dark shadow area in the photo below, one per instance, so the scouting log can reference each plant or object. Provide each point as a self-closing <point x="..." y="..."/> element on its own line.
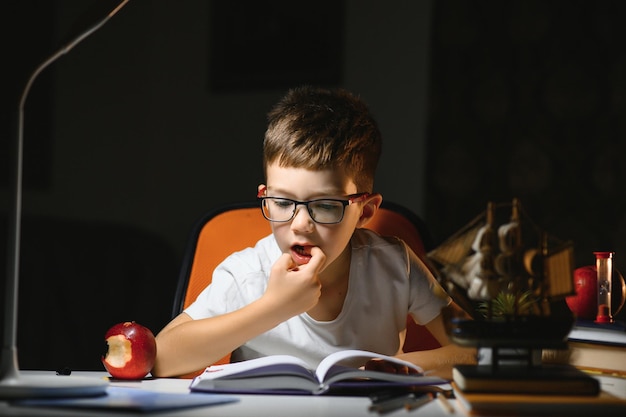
<point x="80" y="278"/>
<point x="527" y="100"/>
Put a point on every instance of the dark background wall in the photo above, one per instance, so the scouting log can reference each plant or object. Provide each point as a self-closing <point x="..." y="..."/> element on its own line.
<point x="160" y="115"/>
<point x="157" y="118"/>
<point x="527" y="99"/>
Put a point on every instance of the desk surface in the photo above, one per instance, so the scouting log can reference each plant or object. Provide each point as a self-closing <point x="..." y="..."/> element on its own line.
<point x="248" y="405"/>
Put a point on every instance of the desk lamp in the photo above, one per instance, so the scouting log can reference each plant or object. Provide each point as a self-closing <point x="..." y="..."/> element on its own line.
<point x="12" y="383"/>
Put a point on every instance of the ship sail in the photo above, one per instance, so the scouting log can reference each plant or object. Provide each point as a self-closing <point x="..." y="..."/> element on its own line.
<point x="493" y="254"/>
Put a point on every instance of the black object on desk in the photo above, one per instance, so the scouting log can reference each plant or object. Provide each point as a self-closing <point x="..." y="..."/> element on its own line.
<point x="386" y="402"/>
<point x="544" y="379"/>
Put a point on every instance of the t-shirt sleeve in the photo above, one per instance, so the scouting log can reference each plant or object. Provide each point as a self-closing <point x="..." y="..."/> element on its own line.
<point x="428" y="297"/>
<point x="239" y="280"/>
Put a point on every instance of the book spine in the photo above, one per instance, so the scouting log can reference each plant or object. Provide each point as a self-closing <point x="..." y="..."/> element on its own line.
<point x="590" y="356"/>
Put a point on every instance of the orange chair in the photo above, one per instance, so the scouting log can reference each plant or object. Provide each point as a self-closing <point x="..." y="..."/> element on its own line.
<point x="233" y="227"/>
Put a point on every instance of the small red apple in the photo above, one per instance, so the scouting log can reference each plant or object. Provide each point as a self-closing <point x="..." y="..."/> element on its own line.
<point x="131" y="351"/>
<point x="584" y="304"/>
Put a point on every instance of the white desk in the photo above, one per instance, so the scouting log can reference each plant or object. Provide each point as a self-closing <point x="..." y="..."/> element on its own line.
<point x="250" y="405"/>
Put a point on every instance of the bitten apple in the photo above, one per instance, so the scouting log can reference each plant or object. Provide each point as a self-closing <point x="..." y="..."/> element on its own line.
<point x="131" y="350"/>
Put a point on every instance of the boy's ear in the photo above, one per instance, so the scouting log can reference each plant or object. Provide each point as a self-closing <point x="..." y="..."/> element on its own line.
<point x="370" y="206"/>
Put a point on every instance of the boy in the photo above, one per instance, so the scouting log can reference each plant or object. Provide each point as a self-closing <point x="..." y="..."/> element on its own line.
<point x="319" y="283"/>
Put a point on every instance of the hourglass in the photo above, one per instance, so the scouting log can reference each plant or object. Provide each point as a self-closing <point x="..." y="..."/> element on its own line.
<point x="604" y="267"/>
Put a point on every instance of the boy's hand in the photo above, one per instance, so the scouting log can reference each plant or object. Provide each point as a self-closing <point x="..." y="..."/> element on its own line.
<point x="382" y="365"/>
<point x="296" y="288"/>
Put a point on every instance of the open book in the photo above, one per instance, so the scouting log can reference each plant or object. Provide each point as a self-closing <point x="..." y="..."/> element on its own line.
<point x="289" y="374"/>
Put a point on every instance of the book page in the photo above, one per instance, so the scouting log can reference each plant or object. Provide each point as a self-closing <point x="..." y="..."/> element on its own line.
<point x="228" y="369"/>
<point x="589" y="332"/>
<point x="337" y="357"/>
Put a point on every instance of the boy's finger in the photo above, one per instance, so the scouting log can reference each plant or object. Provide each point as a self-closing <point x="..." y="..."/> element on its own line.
<point x="318" y="257"/>
<point x="286" y="263"/>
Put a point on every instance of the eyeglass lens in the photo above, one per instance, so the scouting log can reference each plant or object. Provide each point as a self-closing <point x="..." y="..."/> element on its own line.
<point x="321" y="211"/>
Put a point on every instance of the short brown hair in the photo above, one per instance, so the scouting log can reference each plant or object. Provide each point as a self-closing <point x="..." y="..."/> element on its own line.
<point x="318" y="128"/>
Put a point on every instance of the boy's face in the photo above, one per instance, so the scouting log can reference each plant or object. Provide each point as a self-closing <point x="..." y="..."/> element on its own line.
<point x="301" y="233"/>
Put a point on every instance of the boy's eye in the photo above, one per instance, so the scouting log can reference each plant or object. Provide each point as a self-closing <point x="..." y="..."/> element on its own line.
<point x="326" y="205"/>
<point x="283" y="203"/>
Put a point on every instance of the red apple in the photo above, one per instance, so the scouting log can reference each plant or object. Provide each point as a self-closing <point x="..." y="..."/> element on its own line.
<point x="131" y="351"/>
<point x="584" y="303"/>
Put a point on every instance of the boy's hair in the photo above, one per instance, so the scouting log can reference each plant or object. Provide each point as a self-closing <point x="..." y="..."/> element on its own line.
<point x="317" y="128"/>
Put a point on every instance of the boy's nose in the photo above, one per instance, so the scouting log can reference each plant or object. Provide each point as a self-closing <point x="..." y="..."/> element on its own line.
<point x="302" y="219"/>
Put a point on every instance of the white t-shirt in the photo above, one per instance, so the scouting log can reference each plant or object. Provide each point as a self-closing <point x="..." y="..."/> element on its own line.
<point x="387" y="282"/>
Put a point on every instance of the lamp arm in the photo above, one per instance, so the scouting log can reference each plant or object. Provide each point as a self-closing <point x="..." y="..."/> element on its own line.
<point x="9" y="367"/>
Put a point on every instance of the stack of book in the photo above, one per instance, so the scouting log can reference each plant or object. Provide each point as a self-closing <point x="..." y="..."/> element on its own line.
<point x="595" y="348"/>
<point x="557" y="379"/>
<point x="598" y="348"/>
<point x="507" y="404"/>
<point x="556" y="389"/>
<point x="592" y="373"/>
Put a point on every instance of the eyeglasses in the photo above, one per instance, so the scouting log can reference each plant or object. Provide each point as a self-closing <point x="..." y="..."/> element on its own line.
<point x="322" y="211"/>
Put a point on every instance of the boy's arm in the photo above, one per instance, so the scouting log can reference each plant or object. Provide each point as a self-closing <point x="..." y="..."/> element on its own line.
<point x="186" y="345"/>
<point x="440" y="361"/>
<point x="437" y="361"/>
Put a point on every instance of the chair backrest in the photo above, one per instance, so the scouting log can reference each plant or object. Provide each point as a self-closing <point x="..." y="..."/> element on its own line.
<point x="233" y="227"/>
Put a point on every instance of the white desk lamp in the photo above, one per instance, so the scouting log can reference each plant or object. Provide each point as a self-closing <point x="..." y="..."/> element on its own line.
<point x="12" y="383"/>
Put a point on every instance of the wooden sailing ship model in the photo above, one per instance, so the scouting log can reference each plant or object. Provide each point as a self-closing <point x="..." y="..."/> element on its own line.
<point x="511" y="276"/>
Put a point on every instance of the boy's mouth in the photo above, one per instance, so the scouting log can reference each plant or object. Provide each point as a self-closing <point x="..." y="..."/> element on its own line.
<point x="300" y="250"/>
<point x="301" y="254"/>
